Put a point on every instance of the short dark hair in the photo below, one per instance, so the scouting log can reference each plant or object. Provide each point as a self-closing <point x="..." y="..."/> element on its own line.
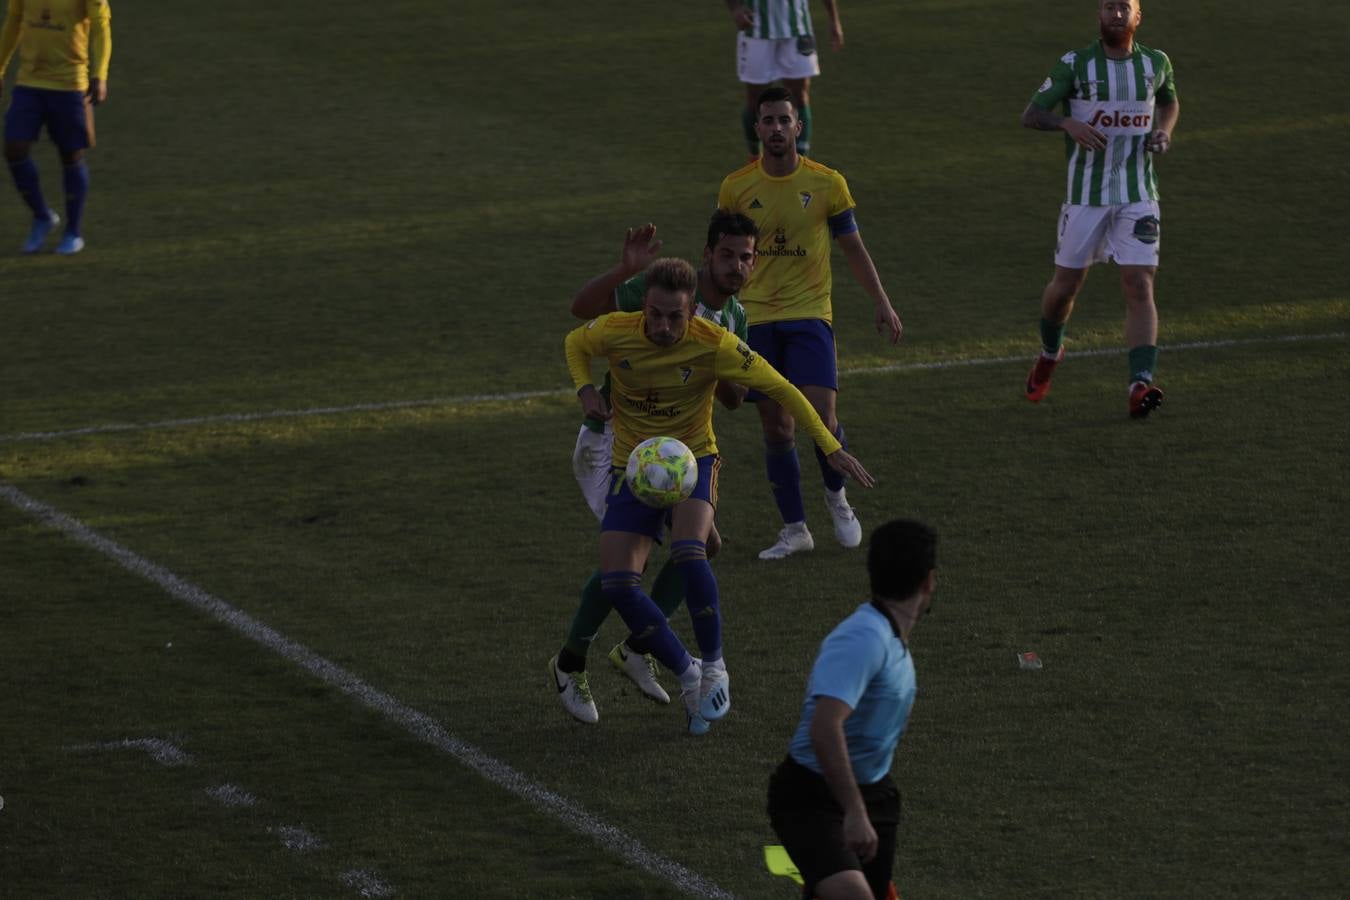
<point x="900" y="555"/>
<point x="724" y="222"/>
<point x="775" y="94"/>
<point x="672" y="274"/>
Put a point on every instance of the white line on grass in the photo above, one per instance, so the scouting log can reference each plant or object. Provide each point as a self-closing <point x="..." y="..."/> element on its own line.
<point x="419" y="725"/>
<point x="161" y="751"/>
<point x="482" y="399"/>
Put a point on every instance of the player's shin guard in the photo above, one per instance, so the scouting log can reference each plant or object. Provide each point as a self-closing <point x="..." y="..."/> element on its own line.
<point x="833" y="480"/>
<point x="701" y="585"/>
<point x="26" y="180"/>
<point x="75" y="179"/>
<point x="785" y="478"/>
<point x="650" y="633"/>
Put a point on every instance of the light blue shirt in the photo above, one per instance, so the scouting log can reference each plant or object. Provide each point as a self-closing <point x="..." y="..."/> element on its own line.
<point x="864" y="663"/>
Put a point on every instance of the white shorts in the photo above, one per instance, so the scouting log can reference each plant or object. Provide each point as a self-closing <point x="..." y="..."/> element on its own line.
<point x="1130" y="234"/>
<point x="764" y="61"/>
<point x="591" y="465"/>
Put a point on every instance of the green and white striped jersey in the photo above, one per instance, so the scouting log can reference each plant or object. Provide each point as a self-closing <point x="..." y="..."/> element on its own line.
<point x="778" y="19"/>
<point x="1117" y="97"/>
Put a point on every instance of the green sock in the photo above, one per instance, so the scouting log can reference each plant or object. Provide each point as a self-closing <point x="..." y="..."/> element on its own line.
<point x="748" y="126"/>
<point x="804" y="139"/>
<point x="1143" y="362"/>
<point x="590" y="615"/>
<point x="668" y="589"/>
<point x="1052" y="336"/>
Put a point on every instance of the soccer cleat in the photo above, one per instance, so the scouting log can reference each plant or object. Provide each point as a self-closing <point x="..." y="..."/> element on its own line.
<point x="1144" y="399"/>
<point x="714" y="693"/>
<point x="574" y="693"/>
<point x="1038" y="379"/>
<point x="691" y="697"/>
<point x="70" y="244"/>
<point x="847" y="528"/>
<point x="37" y="236"/>
<point x="641" y="669"/>
<point x="794" y="538"/>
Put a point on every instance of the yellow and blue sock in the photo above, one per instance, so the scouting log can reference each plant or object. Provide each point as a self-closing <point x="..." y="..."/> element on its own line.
<point x="785" y="478"/>
<point x="701" y="588"/>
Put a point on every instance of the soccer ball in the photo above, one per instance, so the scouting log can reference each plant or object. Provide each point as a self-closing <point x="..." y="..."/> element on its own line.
<point x="661" y="472"/>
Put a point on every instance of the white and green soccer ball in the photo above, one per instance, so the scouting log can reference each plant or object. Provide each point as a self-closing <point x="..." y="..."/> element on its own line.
<point x="661" y="472"/>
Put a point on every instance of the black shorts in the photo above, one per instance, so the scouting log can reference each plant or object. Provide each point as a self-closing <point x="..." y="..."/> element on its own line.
<point x="810" y="824"/>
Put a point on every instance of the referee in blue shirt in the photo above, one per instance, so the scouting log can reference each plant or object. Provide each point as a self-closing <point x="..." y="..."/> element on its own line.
<point x="833" y="802"/>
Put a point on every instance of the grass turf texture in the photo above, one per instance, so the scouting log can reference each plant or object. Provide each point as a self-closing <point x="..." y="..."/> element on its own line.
<point x="1182" y="578"/>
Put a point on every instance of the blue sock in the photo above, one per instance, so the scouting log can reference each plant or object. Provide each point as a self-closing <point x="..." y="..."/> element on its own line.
<point x="700" y="587"/>
<point x="76" y="181"/>
<point x="650" y="632"/>
<point x="785" y="478"/>
<point x="25" y="175"/>
<point x="833" y="480"/>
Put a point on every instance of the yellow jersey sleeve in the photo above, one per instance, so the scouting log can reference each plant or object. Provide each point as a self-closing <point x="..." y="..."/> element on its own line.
<point x="737" y="362"/>
<point x="582" y="345"/>
<point x="840" y="199"/>
<point x="9" y="35"/>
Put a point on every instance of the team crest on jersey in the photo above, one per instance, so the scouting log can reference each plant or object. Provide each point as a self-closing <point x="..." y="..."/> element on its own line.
<point x="1147" y="230"/>
<point x="779" y="237"/>
<point x="806" y="198"/>
<point x="1045" y="85"/>
<point x="685" y="372"/>
<point x="623" y="364"/>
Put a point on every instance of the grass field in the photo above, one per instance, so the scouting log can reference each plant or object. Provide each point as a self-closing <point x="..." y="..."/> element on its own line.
<point x="310" y="366"/>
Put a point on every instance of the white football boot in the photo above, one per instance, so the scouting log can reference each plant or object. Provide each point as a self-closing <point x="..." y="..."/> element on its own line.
<point x="794" y="538"/>
<point x="574" y="693"/>
<point x="847" y="528"/>
<point x="714" y="691"/>
<point x="691" y="695"/>
<point x="641" y="669"/>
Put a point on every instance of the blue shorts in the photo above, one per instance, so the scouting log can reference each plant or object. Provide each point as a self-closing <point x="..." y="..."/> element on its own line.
<point x="624" y="512"/>
<point x="67" y="114"/>
<point x="802" y="350"/>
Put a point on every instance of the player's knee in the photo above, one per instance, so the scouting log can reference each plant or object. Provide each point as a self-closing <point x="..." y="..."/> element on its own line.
<point x="70" y="158"/>
<point x="16" y="153"/>
<point x="621" y="589"/>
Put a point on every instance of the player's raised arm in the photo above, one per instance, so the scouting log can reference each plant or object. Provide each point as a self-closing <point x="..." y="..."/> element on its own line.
<point x="597" y="297"/>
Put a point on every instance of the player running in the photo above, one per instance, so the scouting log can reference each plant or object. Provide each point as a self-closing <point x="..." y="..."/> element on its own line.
<point x="1120" y="106"/>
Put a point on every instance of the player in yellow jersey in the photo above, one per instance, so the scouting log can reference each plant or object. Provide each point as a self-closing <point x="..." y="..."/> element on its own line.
<point x="664" y="365"/>
<point x="64" y="49"/>
<point x="800" y="206"/>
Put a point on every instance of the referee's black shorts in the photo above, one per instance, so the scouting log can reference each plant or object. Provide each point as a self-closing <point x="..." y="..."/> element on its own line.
<point x="810" y="824"/>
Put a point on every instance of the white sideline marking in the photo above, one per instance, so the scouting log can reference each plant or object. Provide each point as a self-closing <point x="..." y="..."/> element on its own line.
<point x="231" y="795"/>
<point x="293" y="837"/>
<point x="419" y="725"/>
<point x="161" y="751"/>
<point x="481" y="399"/>
<point x="366" y="883"/>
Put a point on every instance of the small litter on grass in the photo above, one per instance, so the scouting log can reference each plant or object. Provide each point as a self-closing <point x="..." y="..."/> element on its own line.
<point x="1028" y="660"/>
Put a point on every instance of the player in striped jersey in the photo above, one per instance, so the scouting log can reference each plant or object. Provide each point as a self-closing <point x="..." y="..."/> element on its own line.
<point x="64" y="48"/>
<point x="1119" y="104"/>
<point x="778" y="43"/>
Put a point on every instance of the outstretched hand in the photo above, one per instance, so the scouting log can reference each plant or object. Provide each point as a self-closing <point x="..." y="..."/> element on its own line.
<point x="846" y="464"/>
<point x="640" y="248"/>
<point x="888" y="320"/>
